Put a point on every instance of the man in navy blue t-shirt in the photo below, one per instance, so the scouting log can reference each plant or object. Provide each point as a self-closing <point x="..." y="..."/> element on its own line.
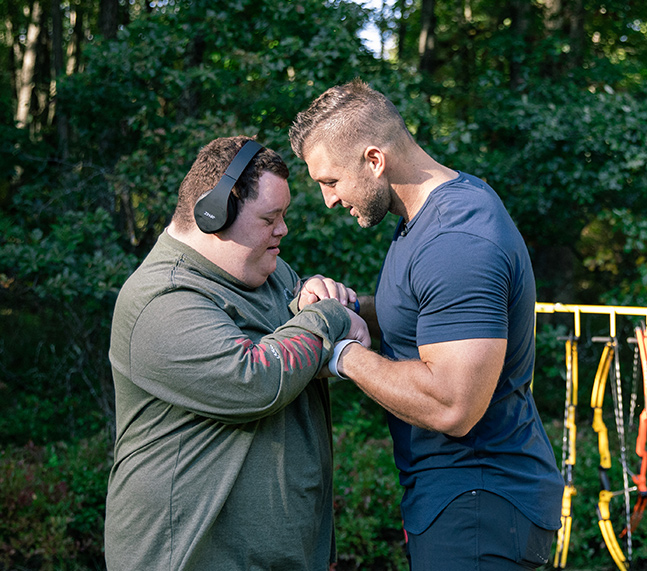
<point x="455" y="308"/>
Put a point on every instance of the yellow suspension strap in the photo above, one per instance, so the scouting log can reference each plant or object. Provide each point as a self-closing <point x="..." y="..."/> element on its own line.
<point x="640" y="479"/>
<point x="568" y="453"/>
<point x="605" y="495"/>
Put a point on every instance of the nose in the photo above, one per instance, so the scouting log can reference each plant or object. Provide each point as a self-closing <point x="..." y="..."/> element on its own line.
<point x="281" y="229"/>
<point x="329" y="196"/>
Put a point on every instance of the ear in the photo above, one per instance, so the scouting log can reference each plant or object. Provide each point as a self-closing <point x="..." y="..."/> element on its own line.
<point x="375" y="160"/>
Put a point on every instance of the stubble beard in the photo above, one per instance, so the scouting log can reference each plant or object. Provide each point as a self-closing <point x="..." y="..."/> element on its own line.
<point x="375" y="207"/>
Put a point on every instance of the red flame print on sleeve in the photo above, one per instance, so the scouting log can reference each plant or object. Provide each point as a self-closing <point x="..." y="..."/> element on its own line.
<point x="294" y="351"/>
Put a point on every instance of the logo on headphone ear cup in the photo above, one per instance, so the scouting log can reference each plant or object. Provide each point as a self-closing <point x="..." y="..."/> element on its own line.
<point x="217" y="210"/>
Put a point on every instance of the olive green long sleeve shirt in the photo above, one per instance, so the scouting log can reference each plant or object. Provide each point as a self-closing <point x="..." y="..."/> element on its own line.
<point x="223" y="454"/>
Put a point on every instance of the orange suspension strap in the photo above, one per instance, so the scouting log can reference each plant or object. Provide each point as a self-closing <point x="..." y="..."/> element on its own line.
<point x="640" y="479"/>
<point x="568" y="453"/>
<point x="605" y="495"/>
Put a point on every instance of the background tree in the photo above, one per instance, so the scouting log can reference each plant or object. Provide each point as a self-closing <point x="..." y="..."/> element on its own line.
<point x="25" y="80"/>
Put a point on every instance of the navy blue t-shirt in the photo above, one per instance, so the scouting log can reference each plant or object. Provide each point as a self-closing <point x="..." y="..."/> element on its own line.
<point x="461" y="270"/>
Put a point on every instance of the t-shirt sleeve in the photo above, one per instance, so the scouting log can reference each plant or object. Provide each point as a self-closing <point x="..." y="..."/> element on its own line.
<point x="462" y="285"/>
<point x="190" y="353"/>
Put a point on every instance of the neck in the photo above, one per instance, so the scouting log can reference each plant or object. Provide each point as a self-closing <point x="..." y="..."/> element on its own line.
<point x="196" y="239"/>
<point x="413" y="176"/>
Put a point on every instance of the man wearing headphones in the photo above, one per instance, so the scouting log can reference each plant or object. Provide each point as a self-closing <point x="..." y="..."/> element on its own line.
<point x="455" y="304"/>
<point x="223" y="449"/>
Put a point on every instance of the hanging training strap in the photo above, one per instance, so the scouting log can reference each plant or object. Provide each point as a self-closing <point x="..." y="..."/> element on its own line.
<point x="568" y="453"/>
<point x="616" y="391"/>
<point x="605" y="495"/>
<point x="640" y="479"/>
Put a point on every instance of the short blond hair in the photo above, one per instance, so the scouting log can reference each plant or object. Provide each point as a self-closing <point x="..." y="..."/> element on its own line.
<point x="347" y="118"/>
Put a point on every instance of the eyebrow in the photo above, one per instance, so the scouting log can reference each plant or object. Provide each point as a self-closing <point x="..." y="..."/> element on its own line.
<point x="275" y="210"/>
<point x="324" y="179"/>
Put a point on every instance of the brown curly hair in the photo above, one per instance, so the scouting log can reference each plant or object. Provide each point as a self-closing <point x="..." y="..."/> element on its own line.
<point x="209" y="166"/>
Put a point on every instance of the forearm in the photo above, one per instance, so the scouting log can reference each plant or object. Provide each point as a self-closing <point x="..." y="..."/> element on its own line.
<point x="217" y="370"/>
<point x="407" y="389"/>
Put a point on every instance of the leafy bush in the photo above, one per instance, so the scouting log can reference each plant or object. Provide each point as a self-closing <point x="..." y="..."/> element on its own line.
<point x="367" y="492"/>
<point x="52" y="502"/>
<point x="66" y="273"/>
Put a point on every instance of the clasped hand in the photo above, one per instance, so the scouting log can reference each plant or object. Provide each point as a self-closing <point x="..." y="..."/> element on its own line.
<point x="319" y="287"/>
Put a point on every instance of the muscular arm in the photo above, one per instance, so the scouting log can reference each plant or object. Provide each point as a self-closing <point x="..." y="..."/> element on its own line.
<point x="448" y="390"/>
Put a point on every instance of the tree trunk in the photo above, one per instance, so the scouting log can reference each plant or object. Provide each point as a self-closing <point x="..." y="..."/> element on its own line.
<point x="401" y="5"/>
<point x="576" y="33"/>
<point x="381" y="28"/>
<point x="42" y="73"/>
<point x="57" y="49"/>
<point x="427" y="39"/>
<point x="467" y="71"/>
<point x="57" y="38"/>
<point x="553" y="15"/>
<point x="26" y="81"/>
<point x="567" y="17"/>
<point x="75" y="44"/>
<point x="13" y="50"/>
<point x="109" y="18"/>
<point x="519" y="10"/>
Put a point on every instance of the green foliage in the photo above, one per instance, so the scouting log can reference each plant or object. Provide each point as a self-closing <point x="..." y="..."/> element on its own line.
<point x="367" y="493"/>
<point x="202" y="59"/>
<point x="560" y="154"/>
<point x="614" y="246"/>
<point x="77" y="258"/>
<point x="34" y="350"/>
<point x="52" y="502"/>
<point x="67" y="271"/>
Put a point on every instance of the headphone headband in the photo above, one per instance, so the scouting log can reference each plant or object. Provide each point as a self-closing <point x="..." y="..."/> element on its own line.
<point x="217" y="209"/>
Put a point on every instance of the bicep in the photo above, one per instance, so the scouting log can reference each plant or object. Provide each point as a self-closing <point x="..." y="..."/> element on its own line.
<point x="469" y="369"/>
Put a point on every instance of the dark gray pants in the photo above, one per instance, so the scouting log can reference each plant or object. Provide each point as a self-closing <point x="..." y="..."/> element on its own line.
<point x="479" y="531"/>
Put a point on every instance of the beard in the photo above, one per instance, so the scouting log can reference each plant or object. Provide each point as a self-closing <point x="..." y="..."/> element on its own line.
<point x="375" y="203"/>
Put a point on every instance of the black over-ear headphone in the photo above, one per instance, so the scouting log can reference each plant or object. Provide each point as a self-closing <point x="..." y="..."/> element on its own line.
<point x="217" y="209"/>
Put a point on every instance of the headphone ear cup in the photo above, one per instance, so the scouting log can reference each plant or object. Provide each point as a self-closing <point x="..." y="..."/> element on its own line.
<point x="232" y="211"/>
<point x="217" y="210"/>
<point x="212" y="211"/>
